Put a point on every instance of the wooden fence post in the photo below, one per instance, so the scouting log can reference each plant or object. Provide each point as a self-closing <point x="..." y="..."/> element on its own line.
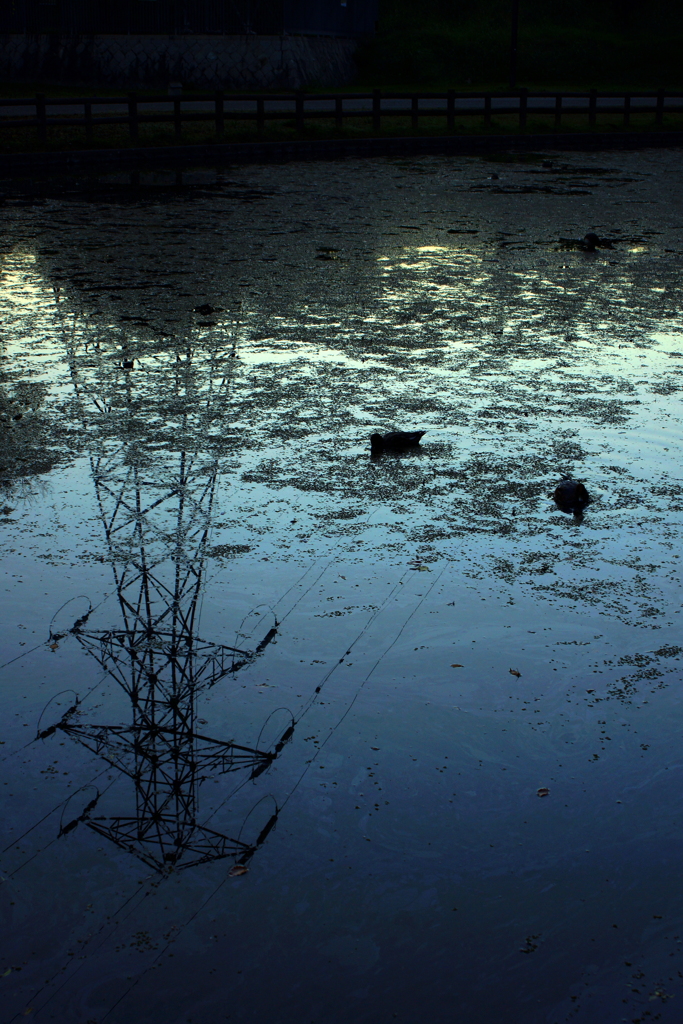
<point x="592" y="107"/>
<point x="487" y="110"/>
<point x="219" y="114"/>
<point x="338" y="113"/>
<point x="41" y="116"/>
<point x="376" y="109"/>
<point x="260" y="115"/>
<point x="87" y="111"/>
<point x="133" y="116"/>
<point x="659" y="116"/>
<point x="177" y="120"/>
<point x="450" y="110"/>
<point x="299" y="111"/>
<point x="522" y="108"/>
<point x="627" y="109"/>
<point x="558" y="111"/>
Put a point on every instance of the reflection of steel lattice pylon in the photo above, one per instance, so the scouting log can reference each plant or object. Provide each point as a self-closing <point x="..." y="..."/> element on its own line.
<point x="156" y="513"/>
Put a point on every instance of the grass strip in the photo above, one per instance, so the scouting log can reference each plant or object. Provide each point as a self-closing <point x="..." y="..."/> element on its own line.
<point x="65" y="138"/>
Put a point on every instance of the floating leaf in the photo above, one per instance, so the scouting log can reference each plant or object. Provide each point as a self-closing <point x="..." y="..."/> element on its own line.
<point x="543" y="791"/>
<point x="5" y="973"/>
<point x="238" y="869"/>
<point x="514" y="672"/>
<point x="531" y="944"/>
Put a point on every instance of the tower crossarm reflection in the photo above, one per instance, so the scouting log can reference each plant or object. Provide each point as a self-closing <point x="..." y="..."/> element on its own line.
<point x="147" y="839"/>
<point x="172" y="756"/>
<point x="159" y="665"/>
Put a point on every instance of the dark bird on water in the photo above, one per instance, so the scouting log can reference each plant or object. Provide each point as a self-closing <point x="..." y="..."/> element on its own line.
<point x="571" y="496"/>
<point x="396" y="441"/>
<point x="589" y="243"/>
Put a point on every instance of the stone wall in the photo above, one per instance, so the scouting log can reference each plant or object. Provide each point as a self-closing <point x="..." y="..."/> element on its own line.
<point x="216" y="62"/>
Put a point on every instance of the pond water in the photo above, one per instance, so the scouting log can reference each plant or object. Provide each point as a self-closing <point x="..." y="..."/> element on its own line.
<point x="264" y="755"/>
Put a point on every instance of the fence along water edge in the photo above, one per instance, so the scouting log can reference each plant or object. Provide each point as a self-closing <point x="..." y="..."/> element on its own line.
<point x="133" y="110"/>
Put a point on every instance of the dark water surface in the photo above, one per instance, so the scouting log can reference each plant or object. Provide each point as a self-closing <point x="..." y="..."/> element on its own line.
<point x="276" y="715"/>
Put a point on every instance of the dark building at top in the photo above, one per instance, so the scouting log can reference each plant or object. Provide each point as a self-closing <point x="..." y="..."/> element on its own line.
<point x="226" y="44"/>
<point x="342" y="18"/>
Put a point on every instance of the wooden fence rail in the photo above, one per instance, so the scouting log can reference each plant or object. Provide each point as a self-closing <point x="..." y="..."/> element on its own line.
<point x="298" y="108"/>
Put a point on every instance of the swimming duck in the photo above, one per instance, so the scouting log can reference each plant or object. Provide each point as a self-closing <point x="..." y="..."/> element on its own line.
<point x="571" y="496"/>
<point x="395" y="441"/>
<point x="590" y="242"/>
<point x="206" y="310"/>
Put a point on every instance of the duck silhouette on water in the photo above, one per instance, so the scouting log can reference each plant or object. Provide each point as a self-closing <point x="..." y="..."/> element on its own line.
<point x="590" y="242"/>
<point x="571" y="496"/>
<point x="395" y="441"/>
